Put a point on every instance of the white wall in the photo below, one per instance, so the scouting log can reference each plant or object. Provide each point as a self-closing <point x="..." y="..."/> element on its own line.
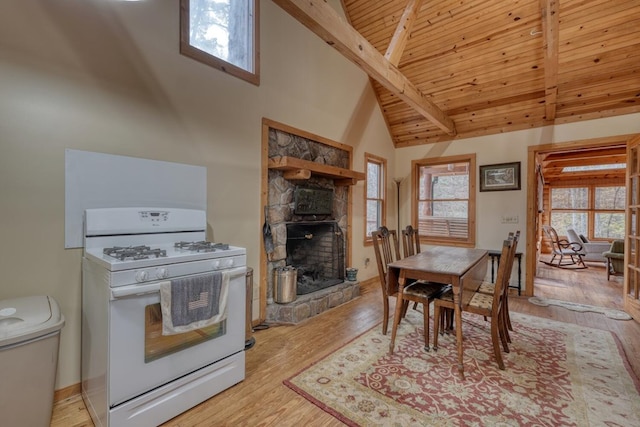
<point x="503" y="148"/>
<point x="107" y="76"/>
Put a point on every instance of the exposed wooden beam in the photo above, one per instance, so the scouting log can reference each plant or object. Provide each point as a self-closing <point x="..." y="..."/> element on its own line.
<point x="400" y="37"/>
<point x="550" y="28"/>
<point x="604" y="154"/>
<point x="580" y="155"/>
<point x="588" y="161"/>
<point x="320" y="18"/>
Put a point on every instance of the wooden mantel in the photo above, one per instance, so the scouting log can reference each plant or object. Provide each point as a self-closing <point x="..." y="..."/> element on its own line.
<point x="295" y="168"/>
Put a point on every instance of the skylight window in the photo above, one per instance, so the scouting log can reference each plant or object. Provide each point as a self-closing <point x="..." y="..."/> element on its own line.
<point x="222" y="34"/>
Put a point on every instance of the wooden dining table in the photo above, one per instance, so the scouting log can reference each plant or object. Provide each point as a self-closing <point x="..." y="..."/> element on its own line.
<point x="463" y="268"/>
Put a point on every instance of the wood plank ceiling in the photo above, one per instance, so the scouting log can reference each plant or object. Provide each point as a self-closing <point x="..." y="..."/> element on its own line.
<point x="482" y="67"/>
<point x="555" y="173"/>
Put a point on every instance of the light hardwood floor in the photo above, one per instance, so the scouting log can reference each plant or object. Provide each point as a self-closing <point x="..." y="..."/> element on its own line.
<point x="282" y="351"/>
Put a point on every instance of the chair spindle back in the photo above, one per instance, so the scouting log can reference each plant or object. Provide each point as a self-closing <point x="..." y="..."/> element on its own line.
<point x="410" y="241"/>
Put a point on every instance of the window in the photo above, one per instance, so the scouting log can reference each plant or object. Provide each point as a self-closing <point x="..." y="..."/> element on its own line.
<point x="375" y="198"/>
<point x="444" y="203"/>
<point x="222" y="34"/>
<point x="594" y="211"/>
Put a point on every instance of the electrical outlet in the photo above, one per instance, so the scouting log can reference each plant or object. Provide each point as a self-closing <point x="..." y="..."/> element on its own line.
<point x="510" y="219"/>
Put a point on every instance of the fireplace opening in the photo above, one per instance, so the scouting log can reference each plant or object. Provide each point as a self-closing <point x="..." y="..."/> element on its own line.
<point x="316" y="250"/>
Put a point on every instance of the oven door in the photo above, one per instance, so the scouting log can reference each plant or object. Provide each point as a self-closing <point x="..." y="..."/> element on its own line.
<point x="141" y="358"/>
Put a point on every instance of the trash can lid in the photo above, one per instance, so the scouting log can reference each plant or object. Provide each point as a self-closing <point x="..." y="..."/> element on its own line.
<point x="22" y="319"/>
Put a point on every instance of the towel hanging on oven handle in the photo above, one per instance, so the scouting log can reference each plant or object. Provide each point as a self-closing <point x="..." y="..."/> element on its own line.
<point x="131" y="290"/>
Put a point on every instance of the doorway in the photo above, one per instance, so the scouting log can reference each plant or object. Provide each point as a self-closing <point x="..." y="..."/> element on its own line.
<point x="571" y="165"/>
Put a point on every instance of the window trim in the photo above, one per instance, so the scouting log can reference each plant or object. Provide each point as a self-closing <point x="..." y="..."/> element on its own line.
<point x="470" y="241"/>
<point x="372" y="158"/>
<point x="192" y="52"/>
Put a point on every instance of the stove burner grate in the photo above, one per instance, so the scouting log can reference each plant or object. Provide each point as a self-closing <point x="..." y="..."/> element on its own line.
<point x="133" y="252"/>
<point x="202" y="246"/>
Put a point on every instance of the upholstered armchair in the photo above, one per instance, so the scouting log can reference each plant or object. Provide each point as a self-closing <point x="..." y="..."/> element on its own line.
<point x="591" y="251"/>
<point x="615" y="259"/>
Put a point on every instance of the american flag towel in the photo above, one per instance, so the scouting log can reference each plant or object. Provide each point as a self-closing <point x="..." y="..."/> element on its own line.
<point x="193" y="302"/>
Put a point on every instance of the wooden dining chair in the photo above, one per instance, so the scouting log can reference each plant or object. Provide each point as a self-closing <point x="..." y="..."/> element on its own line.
<point x="488" y="287"/>
<point x="420" y="292"/>
<point x="489" y="306"/>
<point x="387" y="250"/>
<point x="410" y="245"/>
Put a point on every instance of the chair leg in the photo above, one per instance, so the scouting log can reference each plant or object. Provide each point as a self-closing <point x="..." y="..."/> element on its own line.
<point x="385" y="314"/>
<point x="425" y="315"/>
<point x="506" y="314"/>
<point x="448" y="313"/>
<point x="495" y="339"/>
<point x="581" y="261"/>
<point x="401" y="306"/>
<point x="405" y="307"/>
<point x="437" y="320"/>
<point x="504" y="333"/>
<point x="506" y="319"/>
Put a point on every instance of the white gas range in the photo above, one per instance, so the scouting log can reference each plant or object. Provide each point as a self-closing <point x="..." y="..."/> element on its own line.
<point x="132" y="374"/>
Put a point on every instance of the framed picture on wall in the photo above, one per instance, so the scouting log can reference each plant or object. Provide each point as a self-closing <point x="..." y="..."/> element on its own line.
<point x="500" y="177"/>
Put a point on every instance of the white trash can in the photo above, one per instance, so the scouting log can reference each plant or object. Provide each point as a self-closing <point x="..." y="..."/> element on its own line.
<point x="29" y="340"/>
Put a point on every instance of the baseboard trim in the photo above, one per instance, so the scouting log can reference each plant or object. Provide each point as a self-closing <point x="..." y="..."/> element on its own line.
<point x="369" y="281"/>
<point x="67" y="392"/>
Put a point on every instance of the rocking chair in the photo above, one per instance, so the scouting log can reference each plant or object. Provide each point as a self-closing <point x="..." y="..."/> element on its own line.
<point x="567" y="253"/>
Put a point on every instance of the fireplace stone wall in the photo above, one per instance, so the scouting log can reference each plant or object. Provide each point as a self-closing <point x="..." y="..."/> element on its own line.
<point x="280" y="213"/>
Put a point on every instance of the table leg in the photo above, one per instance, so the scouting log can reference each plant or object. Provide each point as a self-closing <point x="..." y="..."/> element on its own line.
<point x="519" y="274"/>
<point x="457" y="309"/>
<point x="492" y="258"/>
<point x="397" y="312"/>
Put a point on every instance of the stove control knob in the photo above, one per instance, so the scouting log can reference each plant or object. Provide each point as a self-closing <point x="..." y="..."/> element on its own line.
<point x="215" y="264"/>
<point x="229" y="263"/>
<point x="162" y="273"/>
<point x="142" y="276"/>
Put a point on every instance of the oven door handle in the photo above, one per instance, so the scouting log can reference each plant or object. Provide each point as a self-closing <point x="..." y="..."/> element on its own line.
<point x="127" y="291"/>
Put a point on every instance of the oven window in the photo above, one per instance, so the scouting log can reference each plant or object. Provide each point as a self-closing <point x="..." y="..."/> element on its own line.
<point x="157" y="345"/>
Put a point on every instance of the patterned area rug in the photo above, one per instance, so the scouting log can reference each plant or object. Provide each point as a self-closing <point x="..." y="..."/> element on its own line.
<point x="556" y="374"/>
<point x="611" y="313"/>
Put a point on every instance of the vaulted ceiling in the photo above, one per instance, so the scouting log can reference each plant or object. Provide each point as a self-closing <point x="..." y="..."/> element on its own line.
<point x="451" y="69"/>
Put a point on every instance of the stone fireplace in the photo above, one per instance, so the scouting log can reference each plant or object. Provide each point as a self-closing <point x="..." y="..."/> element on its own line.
<point x="308" y="217"/>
